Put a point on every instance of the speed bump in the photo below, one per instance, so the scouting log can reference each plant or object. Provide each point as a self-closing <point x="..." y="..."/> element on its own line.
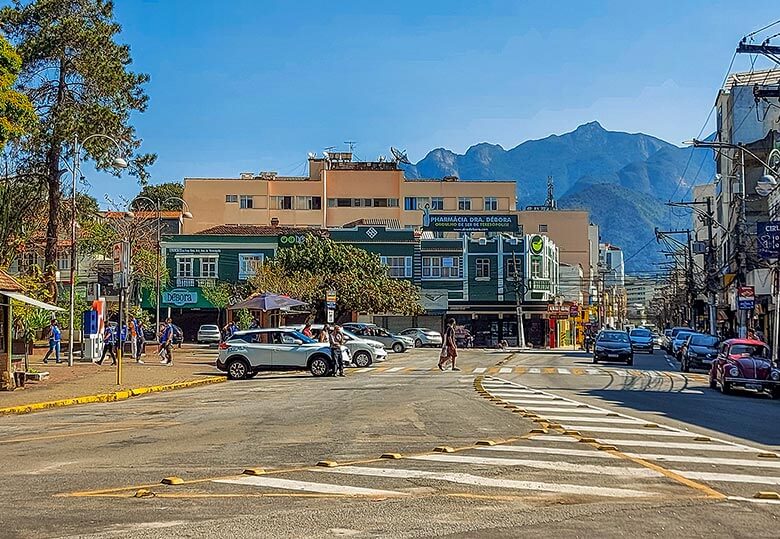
<point x="604" y="447"/>
<point x="702" y="439"/>
<point x="254" y="471"/>
<point x="443" y="449"/>
<point x="172" y="480"/>
<point x="486" y="442"/>
<point x="327" y="463"/>
<point x="392" y="456"/>
<point x="538" y="431"/>
<point x="767" y="495"/>
<point x="588" y="440"/>
<point x="768" y="455"/>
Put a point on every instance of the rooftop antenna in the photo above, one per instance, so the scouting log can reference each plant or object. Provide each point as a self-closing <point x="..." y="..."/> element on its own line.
<point x="399" y="156"/>
<point x="350" y="144"/>
<point x="550" y="202"/>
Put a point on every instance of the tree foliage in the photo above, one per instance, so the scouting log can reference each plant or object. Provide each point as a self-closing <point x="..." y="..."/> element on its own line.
<point x="222" y="294"/>
<point x="76" y="76"/>
<point x="17" y="116"/>
<point x="361" y="282"/>
<point x="162" y="192"/>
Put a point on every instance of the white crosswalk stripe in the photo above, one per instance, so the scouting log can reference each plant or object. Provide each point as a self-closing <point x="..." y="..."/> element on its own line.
<point x="676" y="445"/>
<point x="605" y="420"/>
<point x="505" y="370"/>
<point x="643" y="431"/>
<point x="570" y="410"/>
<point x="589" y="453"/>
<point x="564" y="371"/>
<point x="712" y="461"/>
<point x="475" y="480"/>
<point x="729" y="477"/>
<point x="309" y="486"/>
<point x="479" y="370"/>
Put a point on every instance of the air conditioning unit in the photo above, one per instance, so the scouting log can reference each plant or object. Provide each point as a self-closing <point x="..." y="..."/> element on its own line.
<point x="246" y="175"/>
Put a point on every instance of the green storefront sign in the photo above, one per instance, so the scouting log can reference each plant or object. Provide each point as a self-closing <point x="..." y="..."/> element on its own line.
<point x="470" y="223"/>
<point x="536" y="244"/>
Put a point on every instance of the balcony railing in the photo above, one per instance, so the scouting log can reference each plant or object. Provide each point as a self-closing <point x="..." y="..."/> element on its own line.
<point x="194" y="282"/>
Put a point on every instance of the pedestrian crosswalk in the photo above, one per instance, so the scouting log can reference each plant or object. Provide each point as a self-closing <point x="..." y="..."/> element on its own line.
<point x="718" y="466"/>
<point x="613" y="372"/>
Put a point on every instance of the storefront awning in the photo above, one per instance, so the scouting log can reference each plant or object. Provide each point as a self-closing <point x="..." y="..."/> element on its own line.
<point x="34" y="302"/>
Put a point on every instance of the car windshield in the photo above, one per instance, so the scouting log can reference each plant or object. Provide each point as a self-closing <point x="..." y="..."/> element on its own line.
<point x="704" y="340"/>
<point x="613" y="336"/>
<point x="640" y="333"/>
<point x="349" y="334"/>
<point x="683" y="335"/>
<point x="209" y="328"/>
<point x="300" y="336"/>
<point x="752" y="350"/>
<point x="667" y="333"/>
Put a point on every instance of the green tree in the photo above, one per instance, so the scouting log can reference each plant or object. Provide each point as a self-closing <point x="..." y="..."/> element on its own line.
<point x="160" y="192"/>
<point x="361" y="282"/>
<point x="17" y="116"/>
<point x="77" y="77"/>
<point x="222" y="295"/>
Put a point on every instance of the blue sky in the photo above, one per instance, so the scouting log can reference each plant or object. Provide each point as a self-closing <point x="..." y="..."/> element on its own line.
<point x="243" y="85"/>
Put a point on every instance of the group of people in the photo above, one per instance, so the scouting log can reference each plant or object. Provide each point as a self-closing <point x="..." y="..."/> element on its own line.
<point x="134" y="333"/>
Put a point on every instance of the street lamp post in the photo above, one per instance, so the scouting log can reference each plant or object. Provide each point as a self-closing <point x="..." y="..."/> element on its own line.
<point x="118" y="162"/>
<point x="158" y="206"/>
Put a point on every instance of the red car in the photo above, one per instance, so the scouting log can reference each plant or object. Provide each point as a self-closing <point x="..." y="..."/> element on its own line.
<point x="747" y="364"/>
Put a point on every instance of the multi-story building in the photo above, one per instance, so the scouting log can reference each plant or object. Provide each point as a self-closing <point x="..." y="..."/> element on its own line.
<point x="640" y="295"/>
<point x="471" y="279"/>
<point x="742" y="119"/>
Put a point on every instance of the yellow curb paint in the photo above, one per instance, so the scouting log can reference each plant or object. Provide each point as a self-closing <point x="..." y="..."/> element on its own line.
<point x="143" y="493"/>
<point x="709" y="492"/>
<point x="107" y="397"/>
<point x="172" y="480"/>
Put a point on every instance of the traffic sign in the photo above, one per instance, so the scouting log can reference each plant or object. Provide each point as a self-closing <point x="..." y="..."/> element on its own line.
<point x="746" y="296"/>
<point x="331" y="317"/>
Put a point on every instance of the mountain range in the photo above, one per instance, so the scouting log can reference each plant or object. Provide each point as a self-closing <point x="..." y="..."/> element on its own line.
<point x="623" y="179"/>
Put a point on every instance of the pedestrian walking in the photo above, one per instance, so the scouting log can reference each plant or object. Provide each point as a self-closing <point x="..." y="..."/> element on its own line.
<point x="166" y="343"/>
<point x="336" y="342"/>
<point x="141" y="339"/>
<point x="134" y="349"/>
<point x="109" y="344"/>
<point x="449" y="349"/>
<point x="55" y="335"/>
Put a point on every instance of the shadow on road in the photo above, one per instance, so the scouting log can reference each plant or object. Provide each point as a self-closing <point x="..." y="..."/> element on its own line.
<point x="746" y="415"/>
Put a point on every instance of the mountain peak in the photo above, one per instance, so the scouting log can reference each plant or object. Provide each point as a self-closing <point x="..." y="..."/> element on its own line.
<point x="590" y="126"/>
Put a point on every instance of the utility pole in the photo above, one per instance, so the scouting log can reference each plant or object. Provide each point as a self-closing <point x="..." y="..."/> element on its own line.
<point x="770" y="51"/>
<point x="690" y="291"/>
<point x="741" y="231"/>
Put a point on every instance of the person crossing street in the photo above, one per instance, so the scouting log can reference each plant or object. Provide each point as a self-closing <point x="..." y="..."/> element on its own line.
<point x="166" y="343"/>
<point x="449" y="348"/>
<point x="336" y="342"/>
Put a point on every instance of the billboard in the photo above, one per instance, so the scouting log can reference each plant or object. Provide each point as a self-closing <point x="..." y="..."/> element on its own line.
<point x="470" y="223"/>
<point x="768" y="239"/>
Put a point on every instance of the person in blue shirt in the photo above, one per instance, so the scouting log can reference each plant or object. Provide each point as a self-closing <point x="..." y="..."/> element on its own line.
<point x="109" y="342"/>
<point x="55" y="335"/>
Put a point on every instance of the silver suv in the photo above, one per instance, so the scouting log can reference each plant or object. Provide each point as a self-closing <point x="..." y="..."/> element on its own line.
<point x="248" y="352"/>
<point x="397" y="343"/>
<point x="364" y="352"/>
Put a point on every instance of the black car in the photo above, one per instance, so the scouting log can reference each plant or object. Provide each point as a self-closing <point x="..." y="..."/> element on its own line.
<point x="641" y="339"/>
<point x="698" y="352"/>
<point x="613" y="346"/>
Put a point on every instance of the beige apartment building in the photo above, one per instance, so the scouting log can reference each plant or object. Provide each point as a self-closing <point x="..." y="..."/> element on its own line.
<point x="336" y="192"/>
<point x="339" y="191"/>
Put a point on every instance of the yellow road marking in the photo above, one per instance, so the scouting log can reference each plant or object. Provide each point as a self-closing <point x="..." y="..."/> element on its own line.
<point x="550" y="370"/>
<point x="578" y="371"/>
<point x="520" y="370"/>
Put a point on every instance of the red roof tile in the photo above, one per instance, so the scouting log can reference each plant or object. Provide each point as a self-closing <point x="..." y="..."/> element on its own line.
<point x="8" y="283"/>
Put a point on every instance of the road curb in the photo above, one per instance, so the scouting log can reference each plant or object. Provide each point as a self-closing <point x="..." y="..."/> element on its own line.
<point x="109" y="397"/>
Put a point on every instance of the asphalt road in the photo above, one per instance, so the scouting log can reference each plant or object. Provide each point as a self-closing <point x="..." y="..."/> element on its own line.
<point x="639" y="451"/>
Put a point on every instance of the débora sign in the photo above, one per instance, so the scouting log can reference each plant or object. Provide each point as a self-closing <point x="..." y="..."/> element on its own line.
<point x="470" y="223"/>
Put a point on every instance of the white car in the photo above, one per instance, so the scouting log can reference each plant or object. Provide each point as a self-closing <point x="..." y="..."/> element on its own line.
<point x="209" y="333"/>
<point x="363" y="352"/>
<point x="248" y="352"/>
<point x="423" y="337"/>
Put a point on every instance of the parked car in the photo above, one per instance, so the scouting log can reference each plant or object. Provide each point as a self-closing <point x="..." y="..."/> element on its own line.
<point x="679" y="340"/>
<point x="666" y="340"/>
<point x="364" y="352"/>
<point x="397" y="343"/>
<point x="208" y="333"/>
<point x="423" y="337"/>
<point x="151" y="336"/>
<point x="248" y="352"/>
<point x="613" y="346"/>
<point x="657" y="339"/>
<point x="641" y="339"/>
<point x="698" y="352"/>
<point x="747" y="364"/>
<point x="672" y="335"/>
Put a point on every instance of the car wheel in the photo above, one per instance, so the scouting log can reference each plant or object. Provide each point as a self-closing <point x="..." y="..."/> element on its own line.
<point x="725" y="387"/>
<point x="776" y="393"/>
<point x="398" y="347"/>
<point x="318" y="366"/>
<point x="362" y="359"/>
<point x="595" y="360"/>
<point x="418" y="343"/>
<point x="252" y="374"/>
<point x="713" y="383"/>
<point x="237" y="369"/>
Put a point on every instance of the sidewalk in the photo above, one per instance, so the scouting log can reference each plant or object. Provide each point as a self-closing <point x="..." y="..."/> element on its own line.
<point x="85" y="378"/>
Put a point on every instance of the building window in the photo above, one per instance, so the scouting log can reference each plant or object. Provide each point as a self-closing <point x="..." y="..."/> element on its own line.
<point x="208" y="267"/>
<point x="483" y="268"/>
<point x="410" y="203"/>
<point x="281" y="203"/>
<point x="398" y="266"/>
<point x="437" y="203"/>
<point x="392" y="202"/>
<point x="231" y="199"/>
<point x="542" y="228"/>
<point x="536" y="267"/>
<point x="441" y="267"/>
<point x="63" y="261"/>
<point x="247" y="202"/>
<point x="491" y="204"/>
<point x="247" y="264"/>
<point x="308" y="203"/>
<point x="511" y="270"/>
<point x="184" y="267"/>
<point x="464" y="204"/>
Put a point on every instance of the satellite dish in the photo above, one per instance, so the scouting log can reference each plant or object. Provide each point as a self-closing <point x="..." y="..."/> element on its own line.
<point x="400" y="156"/>
<point x="312" y="155"/>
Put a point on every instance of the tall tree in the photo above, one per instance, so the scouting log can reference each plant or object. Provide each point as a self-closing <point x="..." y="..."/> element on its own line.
<point x="78" y="78"/>
<point x="17" y="116"/>
<point x="162" y="192"/>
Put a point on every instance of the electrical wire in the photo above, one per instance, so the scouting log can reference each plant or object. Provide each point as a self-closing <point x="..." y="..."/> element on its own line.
<point x="767" y="27"/>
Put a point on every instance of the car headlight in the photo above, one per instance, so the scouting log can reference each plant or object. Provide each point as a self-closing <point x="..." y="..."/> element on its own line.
<point x="733" y="371"/>
<point x="775" y="375"/>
